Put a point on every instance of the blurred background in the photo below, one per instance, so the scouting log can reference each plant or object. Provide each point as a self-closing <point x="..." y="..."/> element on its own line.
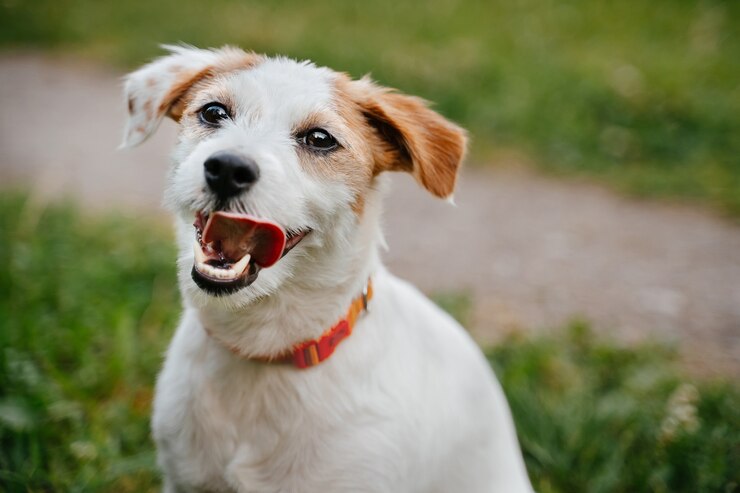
<point x="594" y="251"/>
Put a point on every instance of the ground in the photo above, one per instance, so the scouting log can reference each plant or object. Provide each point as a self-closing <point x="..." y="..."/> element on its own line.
<point x="532" y="252"/>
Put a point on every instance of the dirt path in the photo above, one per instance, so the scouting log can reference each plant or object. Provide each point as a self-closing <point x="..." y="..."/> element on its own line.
<point x="533" y="252"/>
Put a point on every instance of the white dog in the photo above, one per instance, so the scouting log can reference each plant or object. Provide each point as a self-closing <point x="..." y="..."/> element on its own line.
<point x="300" y="363"/>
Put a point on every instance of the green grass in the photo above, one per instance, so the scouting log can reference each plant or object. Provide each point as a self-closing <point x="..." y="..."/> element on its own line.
<point x="643" y="95"/>
<point x="85" y="313"/>
<point x="87" y="308"/>
<point x="596" y="417"/>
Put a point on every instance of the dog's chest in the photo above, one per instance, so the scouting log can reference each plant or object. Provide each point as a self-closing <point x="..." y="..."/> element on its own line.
<point x="211" y="430"/>
<point x="219" y="427"/>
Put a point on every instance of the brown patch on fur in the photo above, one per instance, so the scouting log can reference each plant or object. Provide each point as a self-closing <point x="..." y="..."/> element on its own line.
<point x="231" y="59"/>
<point x="409" y="136"/>
<point x="203" y="92"/>
<point x="358" y="206"/>
<point x="352" y="162"/>
<point x="151" y="82"/>
<point x="361" y="146"/>
<point x="173" y="102"/>
<point x="130" y="105"/>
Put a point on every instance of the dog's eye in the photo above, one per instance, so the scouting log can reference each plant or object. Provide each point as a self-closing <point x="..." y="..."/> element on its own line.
<point x="213" y="113"/>
<point x="319" y="139"/>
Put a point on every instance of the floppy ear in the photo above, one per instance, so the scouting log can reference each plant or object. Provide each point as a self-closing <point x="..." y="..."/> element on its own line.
<point x="416" y="139"/>
<point x="158" y="88"/>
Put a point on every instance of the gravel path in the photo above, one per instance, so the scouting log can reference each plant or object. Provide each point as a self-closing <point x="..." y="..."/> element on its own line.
<point x="533" y="252"/>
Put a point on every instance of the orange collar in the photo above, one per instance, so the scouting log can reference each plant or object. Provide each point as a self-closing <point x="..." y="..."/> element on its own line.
<point x="312" y="352"/>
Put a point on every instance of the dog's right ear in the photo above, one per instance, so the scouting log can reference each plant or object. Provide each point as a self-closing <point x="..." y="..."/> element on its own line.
<point x="415" y="138"/>
<point x="158" y="89"/>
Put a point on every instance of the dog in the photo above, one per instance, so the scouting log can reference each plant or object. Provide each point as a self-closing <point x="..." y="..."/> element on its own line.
<point x="300" y="363"/>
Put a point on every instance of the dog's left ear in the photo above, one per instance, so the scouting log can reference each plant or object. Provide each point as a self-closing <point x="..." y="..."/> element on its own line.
<point x="415" y="138"/>
<point x="158" y="89"/>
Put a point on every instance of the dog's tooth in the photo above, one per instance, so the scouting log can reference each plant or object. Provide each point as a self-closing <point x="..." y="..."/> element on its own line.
<point x="225" y="273"/>
<point x="241" y="266"/>
<point x="211" y="271"/>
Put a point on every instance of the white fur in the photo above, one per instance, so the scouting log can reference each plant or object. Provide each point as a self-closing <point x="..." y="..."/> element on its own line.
<point x="406" y="404"/>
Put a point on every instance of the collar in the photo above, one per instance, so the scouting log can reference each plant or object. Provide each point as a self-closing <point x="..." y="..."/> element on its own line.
<point x="314" y="351"/>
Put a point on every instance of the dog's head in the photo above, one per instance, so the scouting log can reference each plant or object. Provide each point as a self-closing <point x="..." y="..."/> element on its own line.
<point x="277" y="162"/>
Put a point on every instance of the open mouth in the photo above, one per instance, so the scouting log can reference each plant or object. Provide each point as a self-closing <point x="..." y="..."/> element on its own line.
<point x="231" y="248"/>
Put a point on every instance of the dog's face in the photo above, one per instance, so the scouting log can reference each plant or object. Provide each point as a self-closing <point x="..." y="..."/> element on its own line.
<point x="275" y="163"/>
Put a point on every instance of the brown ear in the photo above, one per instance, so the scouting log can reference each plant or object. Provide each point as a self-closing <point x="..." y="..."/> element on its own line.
<point x="157" y="89"/>
<point x="415" y="138"/>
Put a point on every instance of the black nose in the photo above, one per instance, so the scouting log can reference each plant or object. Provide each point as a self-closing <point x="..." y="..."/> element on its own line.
<point x="229" y="174"/>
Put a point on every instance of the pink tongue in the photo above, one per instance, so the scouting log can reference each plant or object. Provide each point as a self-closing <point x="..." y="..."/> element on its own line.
<point x="234" y="235"/>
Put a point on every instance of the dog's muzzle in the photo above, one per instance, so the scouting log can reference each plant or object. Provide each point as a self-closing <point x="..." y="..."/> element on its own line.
<point x="231" y="248"/>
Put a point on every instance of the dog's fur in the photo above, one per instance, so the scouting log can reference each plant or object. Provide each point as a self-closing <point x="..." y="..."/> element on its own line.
<point x="407" y="403"/>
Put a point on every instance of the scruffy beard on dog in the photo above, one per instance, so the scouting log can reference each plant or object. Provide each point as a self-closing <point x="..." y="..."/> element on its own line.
<point x="300" y="364"/>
